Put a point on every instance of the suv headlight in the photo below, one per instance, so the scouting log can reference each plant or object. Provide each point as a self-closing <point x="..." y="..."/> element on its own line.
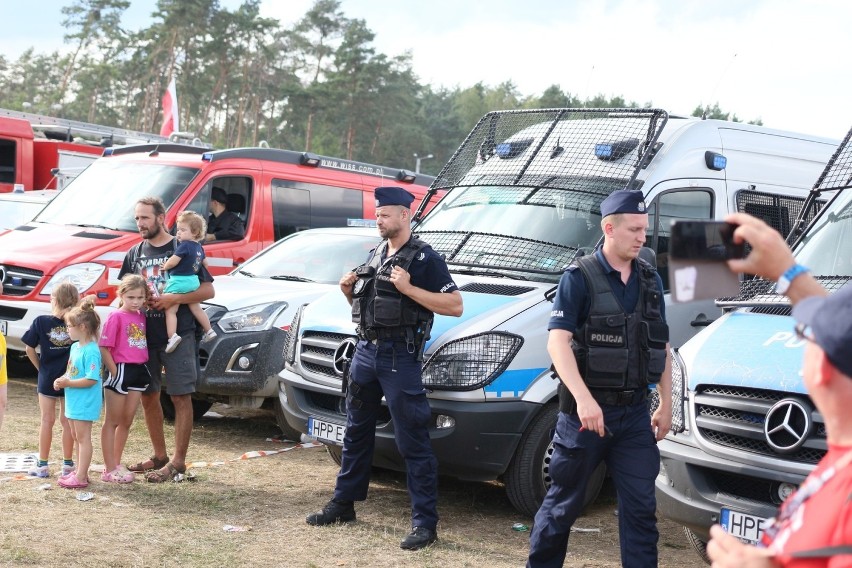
<point x="82" y="276"/>
<point x="252" y="318"/>
<point x="471" y="362"/>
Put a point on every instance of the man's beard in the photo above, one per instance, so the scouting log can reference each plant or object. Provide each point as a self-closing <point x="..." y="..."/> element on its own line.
<point x="152" y="233"/>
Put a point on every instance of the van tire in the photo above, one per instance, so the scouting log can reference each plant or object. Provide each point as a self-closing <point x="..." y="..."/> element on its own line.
<point x="199" y="407"/>
<point x="286" y="430"/>
<point x="698" y="544"/>
<point x="336" y="453"/>
<point x="527" y="478"/>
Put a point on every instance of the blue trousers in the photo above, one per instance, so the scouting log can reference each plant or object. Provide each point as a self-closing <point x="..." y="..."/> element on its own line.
<point x="388" y="369"/>
<point x="633" y="460"/>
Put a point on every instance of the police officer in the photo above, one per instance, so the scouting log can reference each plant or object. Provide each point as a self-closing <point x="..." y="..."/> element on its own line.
<point x="393" y="298"/>
<point x="608" y="340"/>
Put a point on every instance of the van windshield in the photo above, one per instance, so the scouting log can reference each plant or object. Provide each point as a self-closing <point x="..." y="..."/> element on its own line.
<point x="105" y="194"/>
<point x="534" y="232"/>
<point x="827" y="247"/>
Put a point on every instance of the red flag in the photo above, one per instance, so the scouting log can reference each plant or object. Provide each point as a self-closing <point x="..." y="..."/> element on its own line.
<point x="170" y="111"/>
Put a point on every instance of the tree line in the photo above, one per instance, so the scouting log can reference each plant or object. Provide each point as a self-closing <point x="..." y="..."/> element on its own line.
<point x="243" y="79"/>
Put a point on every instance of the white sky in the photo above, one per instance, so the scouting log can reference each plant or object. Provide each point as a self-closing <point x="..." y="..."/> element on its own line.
<point x="787" y="62"/>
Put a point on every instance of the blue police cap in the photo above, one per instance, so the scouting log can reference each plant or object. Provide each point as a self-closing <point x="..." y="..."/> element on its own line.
<point x="393" y="196"/>
<point x="623" y="201"/>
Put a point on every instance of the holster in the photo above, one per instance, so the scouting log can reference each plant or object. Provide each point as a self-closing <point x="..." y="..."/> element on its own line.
<point x="567" y="403"/>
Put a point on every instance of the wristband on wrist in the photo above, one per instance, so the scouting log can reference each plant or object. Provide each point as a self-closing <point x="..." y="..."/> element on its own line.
<point x="787" y="278"/>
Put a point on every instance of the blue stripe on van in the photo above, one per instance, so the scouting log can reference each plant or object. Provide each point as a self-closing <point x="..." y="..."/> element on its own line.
<point x="513" y="383"/>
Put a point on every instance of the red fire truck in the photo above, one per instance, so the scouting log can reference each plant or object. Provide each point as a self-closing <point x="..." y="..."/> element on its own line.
<point x="44" y="152"/>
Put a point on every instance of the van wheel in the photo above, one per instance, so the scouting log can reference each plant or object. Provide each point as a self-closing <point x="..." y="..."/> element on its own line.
<point x="698" y="544"/>
<point x="199" y="407"/>
<point x="286" y="430"/>
<point x="528" y="477"/>
<point x="336" y="453"/>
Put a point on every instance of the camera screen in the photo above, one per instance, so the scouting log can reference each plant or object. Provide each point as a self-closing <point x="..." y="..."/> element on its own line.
<point x="704" y="240"/>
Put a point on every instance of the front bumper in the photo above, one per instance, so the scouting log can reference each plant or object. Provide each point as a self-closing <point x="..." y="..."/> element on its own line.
<point x="20" y="314"/>
<point x="693" y="486"/>
<point x="222" y="375"/>
<point x="478" y="447"/>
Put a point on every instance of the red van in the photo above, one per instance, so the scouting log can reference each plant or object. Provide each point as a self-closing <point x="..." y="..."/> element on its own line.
<point x="84" y="233"/>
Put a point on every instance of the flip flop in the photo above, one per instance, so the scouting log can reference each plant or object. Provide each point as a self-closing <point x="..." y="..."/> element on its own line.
<point x="167" y="473"/>
<point x="141" y="467"/>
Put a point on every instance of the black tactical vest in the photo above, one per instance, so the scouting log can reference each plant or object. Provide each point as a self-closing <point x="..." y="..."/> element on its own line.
<point x="615" y="350"/>
<point x="376" y="302"/>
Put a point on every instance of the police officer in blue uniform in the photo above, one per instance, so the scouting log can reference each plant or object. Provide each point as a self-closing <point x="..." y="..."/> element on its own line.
<point x="393" y="296"/>
<point x="608" y="341"/>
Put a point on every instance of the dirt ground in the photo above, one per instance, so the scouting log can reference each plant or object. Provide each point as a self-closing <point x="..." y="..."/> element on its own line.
<point x="183" y="524"/>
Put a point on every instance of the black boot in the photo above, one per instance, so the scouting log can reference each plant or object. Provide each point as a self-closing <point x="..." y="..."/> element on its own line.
<point x="333" y="512"/>
<point x="418" y="538"/>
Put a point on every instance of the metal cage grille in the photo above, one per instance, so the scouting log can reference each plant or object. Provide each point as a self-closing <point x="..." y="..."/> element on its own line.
<point x="561" y="148"/>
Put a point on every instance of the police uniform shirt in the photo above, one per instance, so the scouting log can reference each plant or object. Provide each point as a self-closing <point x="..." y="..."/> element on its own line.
<point x="429" y="271"/>
<point x="572" y="302"/>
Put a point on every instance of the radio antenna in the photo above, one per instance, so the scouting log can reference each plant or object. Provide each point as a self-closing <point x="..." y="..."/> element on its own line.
<point x="719" y="82"/>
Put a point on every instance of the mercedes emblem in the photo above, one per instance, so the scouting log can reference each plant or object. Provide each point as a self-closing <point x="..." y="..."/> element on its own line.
<point x="787" y="426"/>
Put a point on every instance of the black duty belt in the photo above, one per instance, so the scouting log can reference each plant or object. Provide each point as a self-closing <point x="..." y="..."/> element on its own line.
<point x="383" y="333"/>
<point x="619" y="398"/>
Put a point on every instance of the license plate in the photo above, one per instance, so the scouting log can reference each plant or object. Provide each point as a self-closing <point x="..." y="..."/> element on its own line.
<point x="3" y="328"/>
<point x="326" y="431"/>
<point x="748" y="528"/>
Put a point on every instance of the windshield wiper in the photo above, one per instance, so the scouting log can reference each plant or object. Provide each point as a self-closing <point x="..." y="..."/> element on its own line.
<point x="246" y="273"/>
<point x="89" y="226"/>
<point x="291" y="278"/>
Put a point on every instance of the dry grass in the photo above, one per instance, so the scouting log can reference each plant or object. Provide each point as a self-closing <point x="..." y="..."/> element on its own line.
<point x="181" y="524"/>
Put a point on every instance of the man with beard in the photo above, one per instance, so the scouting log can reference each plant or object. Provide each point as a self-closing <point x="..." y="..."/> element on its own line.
<point x="181" y="365"/>
<point x="394" y="297"/>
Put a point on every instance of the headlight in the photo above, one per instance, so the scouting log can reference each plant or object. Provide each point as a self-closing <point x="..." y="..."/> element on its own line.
<point x="471" y="362"/>
<point x="82" y="276"/>
<point x="252" y="318"/>
<point x="292" y="336"/>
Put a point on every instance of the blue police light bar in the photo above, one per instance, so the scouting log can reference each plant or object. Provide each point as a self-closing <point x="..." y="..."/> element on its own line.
<point x="715" y="161"/>
<point x="513" y="148"/>
<point x="108" y="151"/>
<point x="611" y="151"/>
<point x="206" y="157"/>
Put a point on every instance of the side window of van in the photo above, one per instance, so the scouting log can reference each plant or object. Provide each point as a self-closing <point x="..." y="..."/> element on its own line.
<point x="238" y="193"/>
<point x="297" y="206"/>
<point x="778" y="211"/>
<point x="678" y="204"/>
<point x="8" y="153"/>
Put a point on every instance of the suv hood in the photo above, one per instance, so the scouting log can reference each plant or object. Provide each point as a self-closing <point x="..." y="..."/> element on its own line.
<point x="746" y="349"/>
<point x="235" y="292"/>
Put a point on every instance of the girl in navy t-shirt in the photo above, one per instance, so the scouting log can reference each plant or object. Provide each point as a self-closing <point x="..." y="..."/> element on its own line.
<point x="50" y="335"/>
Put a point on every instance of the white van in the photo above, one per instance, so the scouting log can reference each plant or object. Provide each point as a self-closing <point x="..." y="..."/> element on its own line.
<point x="523" y="199"/>
<point x="745" y="432"/>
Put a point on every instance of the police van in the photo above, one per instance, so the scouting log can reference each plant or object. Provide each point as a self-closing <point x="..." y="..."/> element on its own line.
<point x="745" y="433"/>
<point x="523" y="194"/>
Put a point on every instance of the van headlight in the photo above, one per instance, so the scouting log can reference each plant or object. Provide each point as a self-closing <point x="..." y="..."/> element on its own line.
<point x="252" y="318"/>
<point x="679" y="398"/>
<point x="83" y="276"/>
<point x="293" y="336"/>
<point x="471" y="362"/>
